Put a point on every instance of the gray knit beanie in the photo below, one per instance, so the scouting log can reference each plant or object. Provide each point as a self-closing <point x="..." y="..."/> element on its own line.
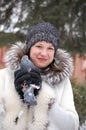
<point x="42" y="32"/>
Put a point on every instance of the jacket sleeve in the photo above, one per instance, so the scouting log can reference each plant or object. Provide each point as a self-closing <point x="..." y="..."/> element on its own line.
<point x="64" y="115"/>
<point x="2" y="102"/>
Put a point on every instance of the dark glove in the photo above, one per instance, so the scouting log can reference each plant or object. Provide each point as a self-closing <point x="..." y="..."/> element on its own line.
<point x="24" y="78"/>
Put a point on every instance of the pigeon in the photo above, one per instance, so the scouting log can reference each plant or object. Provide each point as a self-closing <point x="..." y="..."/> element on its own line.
<point x="27" y="64"/>
<point x="29" y="96"/>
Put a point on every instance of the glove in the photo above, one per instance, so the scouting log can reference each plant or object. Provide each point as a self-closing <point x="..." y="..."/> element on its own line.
<point x="24" y="79"/>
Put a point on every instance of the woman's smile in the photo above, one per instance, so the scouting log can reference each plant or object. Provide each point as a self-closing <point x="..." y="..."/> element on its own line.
<point x="42" y="59"/>
<point x="42" y="54"/>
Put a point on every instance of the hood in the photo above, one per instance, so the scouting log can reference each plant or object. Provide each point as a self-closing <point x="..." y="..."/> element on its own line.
<point x="63" y="60"/>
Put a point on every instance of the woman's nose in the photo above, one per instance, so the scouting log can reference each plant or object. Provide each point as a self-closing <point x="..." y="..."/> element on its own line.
<point x="44" y="52"/>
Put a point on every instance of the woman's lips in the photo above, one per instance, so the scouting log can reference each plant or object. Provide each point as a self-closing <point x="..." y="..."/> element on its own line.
<point x="42" y="59"/>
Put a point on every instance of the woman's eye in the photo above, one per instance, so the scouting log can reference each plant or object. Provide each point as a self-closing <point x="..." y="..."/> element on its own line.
<point x="39" y="46"/>
<point x="51" y="48"/>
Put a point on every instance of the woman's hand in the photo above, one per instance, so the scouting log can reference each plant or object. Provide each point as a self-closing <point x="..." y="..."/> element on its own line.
<point x="24" y="79"/>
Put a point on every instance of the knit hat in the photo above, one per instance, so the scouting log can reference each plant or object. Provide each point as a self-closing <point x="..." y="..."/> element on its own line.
<point x="42" y="32"/>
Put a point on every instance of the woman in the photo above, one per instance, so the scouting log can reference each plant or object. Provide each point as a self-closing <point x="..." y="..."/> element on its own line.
<point x="55" y="108"/>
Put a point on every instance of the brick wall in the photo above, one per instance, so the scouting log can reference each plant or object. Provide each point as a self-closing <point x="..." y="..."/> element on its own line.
<point x="79" y="68"/>
<point x="2" y="52"/>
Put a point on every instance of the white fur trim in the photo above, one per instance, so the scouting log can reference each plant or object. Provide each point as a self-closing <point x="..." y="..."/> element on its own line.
<point x="45" y="98"/>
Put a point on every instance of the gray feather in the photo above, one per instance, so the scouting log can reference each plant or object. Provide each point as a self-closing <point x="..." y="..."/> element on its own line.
<point x="26" y="64"/>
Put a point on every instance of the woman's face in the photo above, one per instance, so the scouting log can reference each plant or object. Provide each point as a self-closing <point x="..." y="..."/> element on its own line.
<point x="42" y="54"/>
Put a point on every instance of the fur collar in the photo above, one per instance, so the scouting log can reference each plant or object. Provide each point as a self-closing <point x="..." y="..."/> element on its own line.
<point x="63" y="60"/>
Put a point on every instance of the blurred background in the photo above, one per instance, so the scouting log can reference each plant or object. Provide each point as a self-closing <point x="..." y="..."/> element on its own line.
<point x="69" y="17"/>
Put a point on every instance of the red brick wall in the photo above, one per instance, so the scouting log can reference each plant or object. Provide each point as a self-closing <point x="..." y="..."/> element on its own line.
<point x="2" y="52"/>
<point x="79" y="68"/>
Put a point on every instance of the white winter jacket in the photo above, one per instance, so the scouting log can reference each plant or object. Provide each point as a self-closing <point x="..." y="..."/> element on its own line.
<point x="55" y="108"/>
